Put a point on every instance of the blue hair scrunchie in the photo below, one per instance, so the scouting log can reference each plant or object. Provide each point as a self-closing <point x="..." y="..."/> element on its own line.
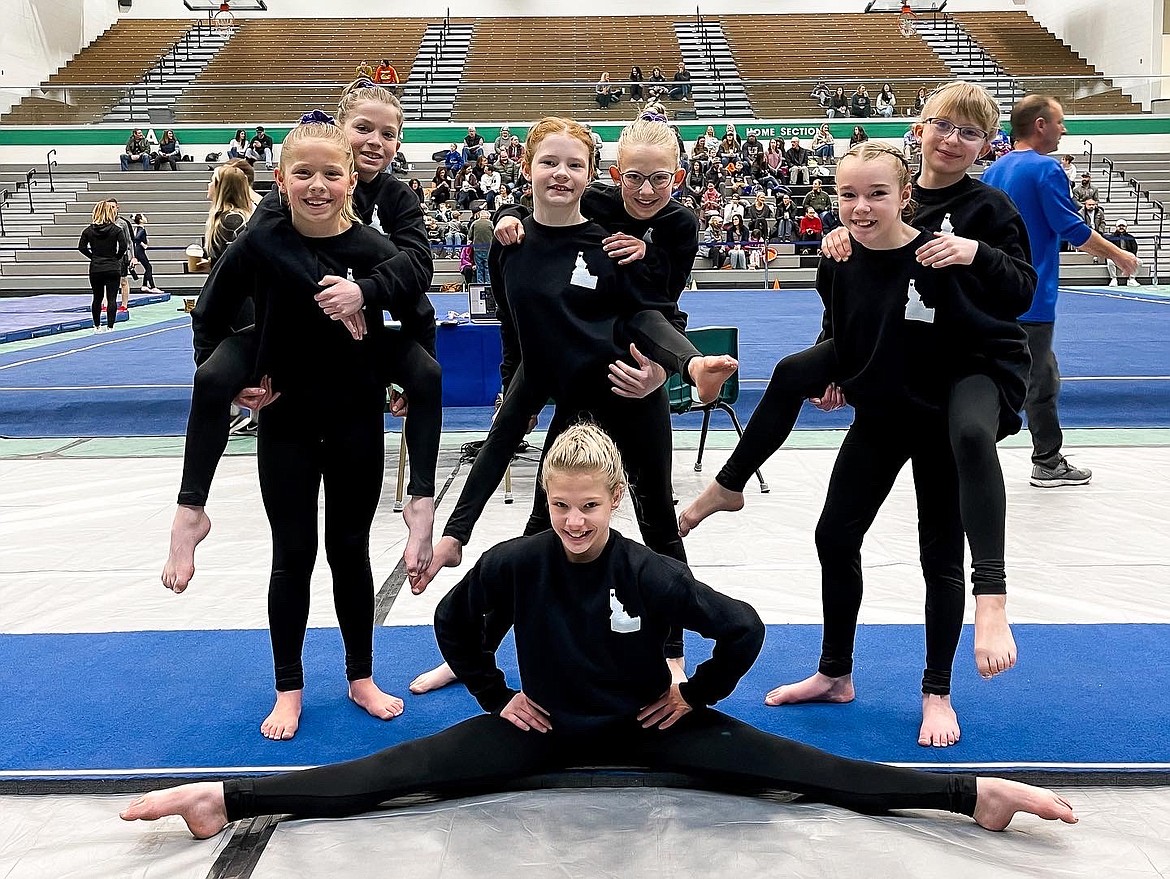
<point x="317" y="116"/>
<point x="364" y="83"/>
<point x="652" y="117"/>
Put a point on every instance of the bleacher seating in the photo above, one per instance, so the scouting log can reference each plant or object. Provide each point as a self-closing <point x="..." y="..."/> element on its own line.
<point x="843" y="49"/>
<point x="122" y="54"/>
<point x="316" y="53"/>
<point x="578" y="50"/>
<point x="1024" y="48"/>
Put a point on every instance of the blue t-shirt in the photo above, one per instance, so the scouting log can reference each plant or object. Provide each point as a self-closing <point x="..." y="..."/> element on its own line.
<point x="1039" y="187"/>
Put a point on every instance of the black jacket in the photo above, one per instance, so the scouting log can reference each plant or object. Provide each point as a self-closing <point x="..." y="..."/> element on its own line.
<point x="104" y="246"/>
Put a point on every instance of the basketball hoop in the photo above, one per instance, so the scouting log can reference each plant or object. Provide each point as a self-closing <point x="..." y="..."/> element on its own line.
<point x="906" y="21"/>
<point x="223" y="20"/>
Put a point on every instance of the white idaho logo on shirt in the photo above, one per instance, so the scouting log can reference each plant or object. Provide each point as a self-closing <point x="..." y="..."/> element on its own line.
<point x="915" y="310"/>
<point x="620" y="621"/>
<point x="582" y="277"/>
<point x="376" y="223"/>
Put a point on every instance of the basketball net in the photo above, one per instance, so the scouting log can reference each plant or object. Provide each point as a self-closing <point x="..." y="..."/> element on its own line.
<point x="906" y="21"/>
<point x="223" y="20"/>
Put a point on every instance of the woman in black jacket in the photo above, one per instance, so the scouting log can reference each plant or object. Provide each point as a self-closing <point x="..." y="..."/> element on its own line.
<point x="104" y="244"/>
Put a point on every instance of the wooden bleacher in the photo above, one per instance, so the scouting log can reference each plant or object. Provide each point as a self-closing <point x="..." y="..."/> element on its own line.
<point x="843" y="49"/>
<point x="268" y="51"/>
<point x="122" y="54"/>
<point x="580" y="49"/>
<point x="1025" y="49"/>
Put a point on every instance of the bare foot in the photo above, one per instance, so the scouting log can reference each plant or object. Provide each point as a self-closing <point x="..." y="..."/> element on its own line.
<point x="709" y="373"/>
<point x="998" y="799"/>
<point x="188" y="529"/>
<point x="940" y="724"/>
<point x="200" y="805"/>
<point x="448" y="554"/>
<point x="438" y="677"/>
<point x="282" y="723"/>
<point x="419" y="515"/>
<point x="995" y="648"/>
<point x="678" y="669"/>
<point x="377" y="704"/>
<point x="714" y="499"/>
<point x="817" y="688"/>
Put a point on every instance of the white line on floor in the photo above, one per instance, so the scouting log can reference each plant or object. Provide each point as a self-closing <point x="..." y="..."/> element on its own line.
<point x="122" y="337"/>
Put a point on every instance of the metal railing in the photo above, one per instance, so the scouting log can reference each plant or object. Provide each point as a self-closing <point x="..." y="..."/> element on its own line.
<point x="29" y="180"/>
<point x="50" y="164"/>
<point x="3" y="204"/>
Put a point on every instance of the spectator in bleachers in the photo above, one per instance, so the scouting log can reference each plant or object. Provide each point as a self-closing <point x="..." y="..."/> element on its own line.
<point x="711" y="142"/>
<point x="733" y="208"/>
<point x="479" y="167"/>
<point x="750" y="149"/>
<point x="811" y="229"/>
<point x="838" y="104"/>
<point x="508" y="171"/>
<point x="787" y="217"/>
<point x="440" y="188"/>
<point x="713" y="244"/>
<point x="699" y="151"/>
<point x="260" y="147"/>
<point x="696" y="180"/>
<point x="607" y="93"/>
<point x="237" y="147"/>
<point x="399" y="164"/>
<point x="716" y="173"/>
<point x="454" y="160"/>
<point x="823" y="145"/>
<point x="912" y="143"/>
<point x="759" y="215"/>
<point x="636" y="79"/>
<point x="775" y="154"/>
<point x="859" y="136"/>
<point x="816" y="198"/>
<point x="656" y="90"/>
<point x="454" y="232"/>
<point x="821" y="94"/>
<point x="729" y="147"/>
<point x="387" y="76"/>
<point x="681" y="90"/>
<point x="860" y="105"/>
<point x="596" y="138"/>
<point x="1085" y="190"/>
<point x="525" y="200"/>
<point x="765" y="177"/>
<point x="417" y="189"/>
<point x="169" y="152"/>
<point x="1068" y="165"/>
<point x="736" y="235"/>
<point x="481" y="233"/>
<point x="489" y="184"/>
<point x="104" y="244"/>
<point x="141" y="240"/>
<point x="515" y="149"/>
<point x="467" y="188"/>
<point x="737" y="179"/>
<point x="1094" y="216"/>
<point x="472" y="145"/>
<point x="886" y="102"/>
<point x="137" y="150"/>
<point x="712" y="200"/>
<point x="365" y="70"/>
<point x="682" y="146"/>
<point x="756" y="249"/>
<point x="915" y="109"/>
<point x="500" y="145"/>
<point x="434" y="232"/>
<point x="796" y="156"/>
<point x="1125" y="241"/>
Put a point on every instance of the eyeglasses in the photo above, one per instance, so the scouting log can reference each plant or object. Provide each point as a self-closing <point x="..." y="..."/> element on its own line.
<point x="658" y="180"/>
<point x="944" y="127"/>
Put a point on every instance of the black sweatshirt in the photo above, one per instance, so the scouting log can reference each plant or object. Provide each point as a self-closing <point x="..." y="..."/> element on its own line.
<point x="103" y="246"/>
<point x="900" y="354"/>
<point x="589" y="636"/>
<point x="400" y="284"/>
<point x="559" y="298"/>
<point x="298" y="344"/>
<point x="671" y="236"/>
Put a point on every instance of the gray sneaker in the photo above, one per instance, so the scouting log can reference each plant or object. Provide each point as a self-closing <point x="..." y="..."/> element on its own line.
<point x="1061" y="473"/>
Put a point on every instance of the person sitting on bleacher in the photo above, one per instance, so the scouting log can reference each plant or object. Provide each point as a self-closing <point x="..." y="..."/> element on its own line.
<point x="169" y="152"/>
<point x="886" y="101"/>
<point x="1093" y="216"/>
<point x="681" y="90"/>
<point x="500" y="145"/>
<point x="823" y="145"/>
<point x="1085" y="190"/>
<point x="399" y="164"/>
<point x="916" y="108"/>
<point x="489" y="184"/>
<point x="237" y="147"/>
<point x="821" y="94"/>
<point x="797" y="158"/>
<point x="838" y="104"/>
<point x="759" y="215"/>
<point x="751" y="148"/>
<point x="607" y="93"/>
<point x="912" y="143"/>
<point x="472" y="145"/>
<point x="260" y="147"/>
<point x="712" y="201"/>
<point x="775" y="159"/>
<point x="137" y="150"/>
<point x="811" y="229"/>
<point x="508" y="170"/>
<point x="816" y="198"/>
<point x="1125" y="241"/>
<point x="387" y="76"/>
<point x="859" y="104"/>
<point x="440" y="188"/>
<point x="656" y="90"/>
<point x="454" y="160"/>
<point x="467" y="188"/>
<point x="765" y="180"/>
<point x="736" y="235"/>
<point x="713" y="244"/>
<point x="696" y="177"/>
<point x="515" y="150"/>
<point x="454" y="232"/>
<point x="756" y="249"/>
<point x="733" y="208"/>
<point x="787" y="218"/>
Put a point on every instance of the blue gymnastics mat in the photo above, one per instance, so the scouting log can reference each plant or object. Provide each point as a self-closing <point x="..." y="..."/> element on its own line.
<point x="31" y="317"/>
<point x="118" y="705"/>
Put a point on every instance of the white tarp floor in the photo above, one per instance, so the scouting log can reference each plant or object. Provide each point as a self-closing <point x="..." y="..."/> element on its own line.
<point x="82" y="542"/>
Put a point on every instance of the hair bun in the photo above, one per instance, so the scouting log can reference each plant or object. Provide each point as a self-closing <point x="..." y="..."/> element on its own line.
<point x="317" y="116"/>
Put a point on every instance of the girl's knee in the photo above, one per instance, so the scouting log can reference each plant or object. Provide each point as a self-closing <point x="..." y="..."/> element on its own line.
<point x="834" y="542"/>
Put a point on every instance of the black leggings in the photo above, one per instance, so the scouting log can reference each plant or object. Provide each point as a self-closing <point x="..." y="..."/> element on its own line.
<point x="232" y="365"/>
<point x="639" y="428"/>
<point x="147" y="268"/>
<point x="973" y="417"/>
<point x="873" y="452"/>
<point x="104" y="285"/>
<point x="487" y="752"/>
<point x="302" y="443"/>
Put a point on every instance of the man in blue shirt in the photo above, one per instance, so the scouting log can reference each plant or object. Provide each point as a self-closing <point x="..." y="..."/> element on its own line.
<point x="1039" y="187"/>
